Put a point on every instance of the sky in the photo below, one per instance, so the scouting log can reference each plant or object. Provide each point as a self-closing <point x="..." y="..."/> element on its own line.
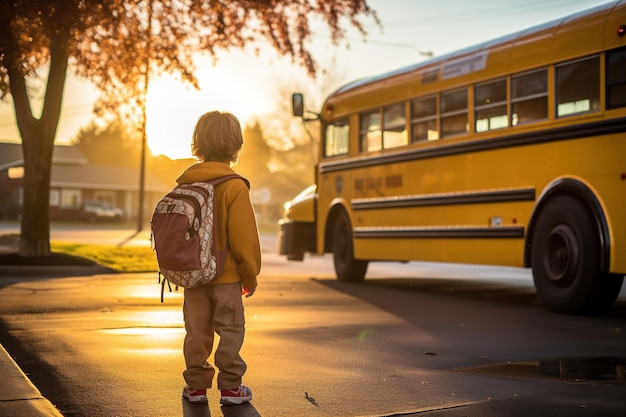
<point x="252" y="87"/>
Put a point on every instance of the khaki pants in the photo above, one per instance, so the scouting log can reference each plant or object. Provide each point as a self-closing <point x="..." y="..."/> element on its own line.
<point x="207" y="310"/>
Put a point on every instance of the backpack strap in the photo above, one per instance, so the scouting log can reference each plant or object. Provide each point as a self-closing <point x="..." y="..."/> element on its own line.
<point x="222" y="254"/>
<point x="219" y="180"/>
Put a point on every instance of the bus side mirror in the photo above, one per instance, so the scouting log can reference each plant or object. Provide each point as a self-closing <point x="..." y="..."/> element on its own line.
<point x="297" y="104"/>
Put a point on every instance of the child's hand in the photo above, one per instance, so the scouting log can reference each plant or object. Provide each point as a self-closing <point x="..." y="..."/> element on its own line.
<point x="248" y="292"/>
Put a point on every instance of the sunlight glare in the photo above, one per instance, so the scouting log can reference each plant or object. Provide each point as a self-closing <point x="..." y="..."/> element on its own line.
<point x="173" y="108"/>
<point x="158" y="318"/>
<point x="146" y="331"/>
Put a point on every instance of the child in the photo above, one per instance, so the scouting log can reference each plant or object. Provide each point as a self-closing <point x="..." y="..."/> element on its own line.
<point x="218" y="307"/>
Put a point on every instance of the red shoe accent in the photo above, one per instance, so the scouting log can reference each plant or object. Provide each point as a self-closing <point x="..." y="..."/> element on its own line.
<point x="196" y="395"/>
<point x="236" y="396"/>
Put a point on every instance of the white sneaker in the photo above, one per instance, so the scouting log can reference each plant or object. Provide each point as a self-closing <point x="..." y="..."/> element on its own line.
<point x="195" y="395"/>
<point x="235" y="396"/>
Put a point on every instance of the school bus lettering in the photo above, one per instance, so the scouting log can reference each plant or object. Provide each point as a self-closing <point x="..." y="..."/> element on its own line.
<point x="393" y="181"/>
<point x="430" y="76"/>
<point x="363" y="185"/>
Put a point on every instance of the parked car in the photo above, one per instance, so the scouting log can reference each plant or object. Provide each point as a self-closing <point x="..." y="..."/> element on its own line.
<point x="93" y="210"/>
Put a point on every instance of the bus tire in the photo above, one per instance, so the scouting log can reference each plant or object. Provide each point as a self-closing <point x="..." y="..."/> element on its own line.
<point x="565" y="259"/>
<point x="347" y="268"/>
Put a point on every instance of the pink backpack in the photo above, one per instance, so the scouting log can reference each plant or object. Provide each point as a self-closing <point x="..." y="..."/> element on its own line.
<point x="183" y="233"/>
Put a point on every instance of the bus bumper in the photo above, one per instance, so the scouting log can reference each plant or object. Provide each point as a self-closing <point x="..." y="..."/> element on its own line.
<point x="296" y="238"/>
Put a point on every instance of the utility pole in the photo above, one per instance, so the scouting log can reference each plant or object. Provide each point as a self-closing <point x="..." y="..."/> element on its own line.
<point x="144" y="136"/>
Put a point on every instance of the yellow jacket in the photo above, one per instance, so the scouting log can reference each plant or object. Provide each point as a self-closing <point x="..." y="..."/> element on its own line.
<point x="235" y="223"/>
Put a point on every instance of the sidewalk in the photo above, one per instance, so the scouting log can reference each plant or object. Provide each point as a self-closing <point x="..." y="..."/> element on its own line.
<point x="19" y="397"/>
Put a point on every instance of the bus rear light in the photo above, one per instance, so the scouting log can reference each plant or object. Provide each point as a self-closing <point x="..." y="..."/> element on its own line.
<point x="621" y="30"/>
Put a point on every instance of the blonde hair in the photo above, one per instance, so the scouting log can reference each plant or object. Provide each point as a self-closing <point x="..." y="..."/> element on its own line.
<point x="217" y="137"/>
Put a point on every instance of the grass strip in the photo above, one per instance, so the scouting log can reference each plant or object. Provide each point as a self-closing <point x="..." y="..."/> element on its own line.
<point x="122" y="259"/>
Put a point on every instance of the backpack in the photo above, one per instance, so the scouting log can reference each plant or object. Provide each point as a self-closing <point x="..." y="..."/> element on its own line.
<point x="183" y="234"/>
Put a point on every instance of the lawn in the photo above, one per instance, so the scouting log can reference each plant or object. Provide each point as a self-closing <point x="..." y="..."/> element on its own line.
<point x="128" y="258"/>
<point x="122" y="259"/>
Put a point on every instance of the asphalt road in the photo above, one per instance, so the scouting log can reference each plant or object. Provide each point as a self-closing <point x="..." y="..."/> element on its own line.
<point x="413" y="339"/>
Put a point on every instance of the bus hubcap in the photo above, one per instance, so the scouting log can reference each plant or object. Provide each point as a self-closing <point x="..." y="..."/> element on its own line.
<point x="562" y="254"/>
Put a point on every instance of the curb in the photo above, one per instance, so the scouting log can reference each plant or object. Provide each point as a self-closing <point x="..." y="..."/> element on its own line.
<point x="55" y="271"/>
<point x="19" y="397"/>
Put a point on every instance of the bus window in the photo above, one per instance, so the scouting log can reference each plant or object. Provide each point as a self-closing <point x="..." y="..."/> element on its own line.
<point x="490" y="105"/>
<point x="370" y="133"/>
<point x="394" y="126"/>
<point x="453" y="113"/>
<point x="616" y="79"/>
<point x="578" y="87"/>
<point x="529" y="97"/>
<point x="337" y="138"/>
<point x="424" y="119"/>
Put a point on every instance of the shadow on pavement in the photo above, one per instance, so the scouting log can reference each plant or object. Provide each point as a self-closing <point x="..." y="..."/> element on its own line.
<point x="243" y="410"/>
<point x="201" y="410"/>
<point x="195" y="410"/>
<point x="430" y="294"/>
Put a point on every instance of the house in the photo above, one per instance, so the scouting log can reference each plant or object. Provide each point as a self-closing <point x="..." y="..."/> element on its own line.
<point x="75" y="181"/>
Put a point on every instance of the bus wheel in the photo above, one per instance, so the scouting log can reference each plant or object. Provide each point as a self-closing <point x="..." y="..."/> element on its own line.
<point x="566" y="260"/>
<point x="347" y="268"/>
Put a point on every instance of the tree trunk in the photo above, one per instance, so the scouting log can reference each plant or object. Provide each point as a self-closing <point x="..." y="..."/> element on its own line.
<point x="35" y="227"/>
<point x="37" y="146"/>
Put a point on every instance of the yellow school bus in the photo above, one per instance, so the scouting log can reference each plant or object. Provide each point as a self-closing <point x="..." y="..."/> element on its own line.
<point x="512" y="152"/>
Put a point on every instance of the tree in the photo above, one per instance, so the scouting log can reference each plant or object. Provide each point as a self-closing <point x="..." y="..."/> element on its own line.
<point x="112" y="144"/>
<point x="117" y="44"/>
<point x="296" y="141"/>
<point x="255" y="157"/>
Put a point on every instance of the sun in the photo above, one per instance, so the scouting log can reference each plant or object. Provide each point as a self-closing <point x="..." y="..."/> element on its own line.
<point x="173" y="108"/>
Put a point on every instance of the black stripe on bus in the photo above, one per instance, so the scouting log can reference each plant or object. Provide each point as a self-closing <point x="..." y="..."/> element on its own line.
<point x="545" y="136"/>
<point x="497" y="196"/>
<point x="440" y="232"/>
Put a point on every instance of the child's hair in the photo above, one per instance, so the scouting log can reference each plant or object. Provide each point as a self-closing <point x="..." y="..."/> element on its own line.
<point x="217" y="137"/>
